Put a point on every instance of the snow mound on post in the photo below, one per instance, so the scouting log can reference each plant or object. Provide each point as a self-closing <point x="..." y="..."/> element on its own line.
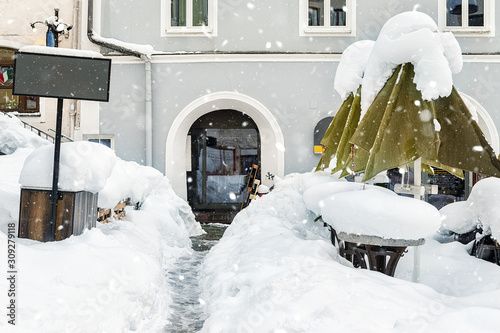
<point x="151" y="190"/>
<point x="351" y="68"/>
<point x="481" y="209"/>
<point x="412" y="37"/>
<point x="484" y="197"/>
<point x="128" y="180"/>
<point x="83" y="166"/>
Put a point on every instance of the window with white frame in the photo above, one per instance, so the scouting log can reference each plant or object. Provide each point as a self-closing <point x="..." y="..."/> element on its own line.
<point x="107" y="140"/>
<point x="330" y="17"/>
<point x="184" y="17"/>
<point x="467" y="17"/>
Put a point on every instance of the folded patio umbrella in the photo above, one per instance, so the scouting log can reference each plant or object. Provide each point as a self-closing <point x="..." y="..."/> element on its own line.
<point x="400" y="126"/>
<point x="336" y="138"/>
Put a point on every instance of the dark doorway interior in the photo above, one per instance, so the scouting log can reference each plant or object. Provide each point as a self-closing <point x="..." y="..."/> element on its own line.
<point x="224" y="145"/>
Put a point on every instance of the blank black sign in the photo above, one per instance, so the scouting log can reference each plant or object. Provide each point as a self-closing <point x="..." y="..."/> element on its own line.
<point x="61" y="76"/>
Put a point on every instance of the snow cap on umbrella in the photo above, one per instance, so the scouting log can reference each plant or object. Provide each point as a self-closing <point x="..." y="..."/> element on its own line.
<point x="412" y="37"/>
<point x="352" y="67"/>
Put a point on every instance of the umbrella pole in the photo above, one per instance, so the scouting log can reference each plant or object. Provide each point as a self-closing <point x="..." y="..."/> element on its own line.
<point x="417" y="176"/>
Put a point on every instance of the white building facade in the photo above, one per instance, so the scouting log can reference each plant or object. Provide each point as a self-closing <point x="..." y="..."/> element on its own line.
<point x="16" y="31"/>
<point x="233" y="82"/>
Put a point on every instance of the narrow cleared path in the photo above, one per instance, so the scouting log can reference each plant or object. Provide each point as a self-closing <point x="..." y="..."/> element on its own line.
<point x="187" y="311"/>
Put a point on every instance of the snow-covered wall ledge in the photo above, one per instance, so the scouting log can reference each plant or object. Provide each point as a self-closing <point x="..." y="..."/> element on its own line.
<point x="59" y="51"/>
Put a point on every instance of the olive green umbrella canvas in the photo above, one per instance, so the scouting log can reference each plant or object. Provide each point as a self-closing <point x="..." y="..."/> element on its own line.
<point x="336" y="138"/>
<point x="400" y="126"/>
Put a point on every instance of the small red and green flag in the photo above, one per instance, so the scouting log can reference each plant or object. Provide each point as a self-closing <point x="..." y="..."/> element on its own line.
<point x="5" y="75"/>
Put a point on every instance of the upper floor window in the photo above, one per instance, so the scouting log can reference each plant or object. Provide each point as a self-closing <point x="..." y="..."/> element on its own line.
<point x="8" y="101"/>
<point x="331" y="17"/>
<point x="467" y="17"/>
<point x="197" y="17"/>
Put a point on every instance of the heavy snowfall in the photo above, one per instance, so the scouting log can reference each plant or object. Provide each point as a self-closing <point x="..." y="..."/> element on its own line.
<point x="274" y="269"/>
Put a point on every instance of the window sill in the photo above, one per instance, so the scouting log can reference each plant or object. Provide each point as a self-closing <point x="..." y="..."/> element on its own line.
<point x="189" y="32"/>
<point x="458" y="32"/>
<point x="325" y="31"/>
<point x="24" y="114"/>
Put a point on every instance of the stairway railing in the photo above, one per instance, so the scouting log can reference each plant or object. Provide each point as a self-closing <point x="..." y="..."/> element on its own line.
<point x="39" y="132"/>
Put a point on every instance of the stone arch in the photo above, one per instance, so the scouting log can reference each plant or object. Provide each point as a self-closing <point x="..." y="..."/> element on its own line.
<point x="484" y="120"/>
<point x="271" y="136"/>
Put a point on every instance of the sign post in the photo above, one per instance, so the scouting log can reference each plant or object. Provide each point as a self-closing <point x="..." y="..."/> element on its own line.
<point x="60" y="74"/>
<point x="55" y="174"/>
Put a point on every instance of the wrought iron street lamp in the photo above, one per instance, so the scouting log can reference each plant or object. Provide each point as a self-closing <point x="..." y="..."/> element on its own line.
<point x="55" y="27"/>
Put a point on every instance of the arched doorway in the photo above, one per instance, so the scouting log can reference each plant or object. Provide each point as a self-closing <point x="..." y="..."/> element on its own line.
<point x="177" y="150"/>
<point x="224" y="144"/>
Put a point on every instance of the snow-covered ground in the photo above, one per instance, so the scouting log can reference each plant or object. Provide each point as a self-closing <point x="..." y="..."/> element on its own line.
<point x="275" y="269"/>
<point x="113" y="277"/>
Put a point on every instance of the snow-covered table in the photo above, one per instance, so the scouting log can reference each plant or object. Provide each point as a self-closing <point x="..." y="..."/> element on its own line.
<point x="375" y="224"/>
<point x="373" y="252"/>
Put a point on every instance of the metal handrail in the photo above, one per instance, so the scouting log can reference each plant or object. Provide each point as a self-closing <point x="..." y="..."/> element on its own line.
<point x="64" y="136"/>
<point x="37" y="131"/>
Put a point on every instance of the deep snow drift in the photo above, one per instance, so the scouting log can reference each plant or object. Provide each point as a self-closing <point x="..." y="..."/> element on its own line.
<point x="113" y="277"/>
<point x="275" y="270"/>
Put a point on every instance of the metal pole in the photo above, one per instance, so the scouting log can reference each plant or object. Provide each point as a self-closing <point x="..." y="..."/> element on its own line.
<point x="149" y="113"/>
<point x="54" y="28"/>
<point x="55" y="173"/>
<point x="417" y="177"/>
<point x="416" y="265"/>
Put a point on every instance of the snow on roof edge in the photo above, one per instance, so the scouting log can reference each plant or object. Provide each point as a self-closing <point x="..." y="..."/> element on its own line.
<point x="60" y="51"/>
<point x="145" y="49"/>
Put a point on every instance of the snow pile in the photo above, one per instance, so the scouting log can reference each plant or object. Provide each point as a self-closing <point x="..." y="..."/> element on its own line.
<point x="140" y="181"/>
<point x="88" y="166"/>
<point x="410" y="37"/>
<point x="351" y="69"/>
<point x="10" y="166"/>
<point x="111" y="278"/>
<point x="275" y="270"/>
<point x="83" y="166"/>
<point x="345" y="206"/>
<point x="458" y="218"/>
<point x="150" y="189"/>
<point x="480" y="210"/>
<point x="13" y="135"/>
<point x="317" y="196"/>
